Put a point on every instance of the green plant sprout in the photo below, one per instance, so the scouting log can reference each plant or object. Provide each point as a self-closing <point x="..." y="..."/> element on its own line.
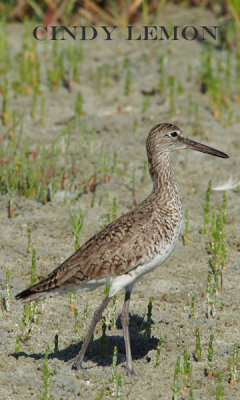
<point x="219" y="390"/>
<point x="193" y="307"/>
<point x="127" y="83"/>
<point x="186" y="370"/>
<point x="211" y="294"/>
<point x="210" y="355"/>
<point x="5" y="105"/>
<point x="224" y="208"/>
<point x="31" y="314"/>
<point x="76" y="221"/>
<point x="180" y="88"/>
<point x="114" y="167"/>
<point x="116" y="379"/>
<point x="176" y="386"/>
<point x="33" y="268"/>
<point x="206" y="207"/>
<point x="190" y="397"/>
<point x="198" y="349"/>
<point x="158" y="353"/>
<point x="217" y="243"/>
<point x="29" y="243"/>
<point x="233" y="366"/>
<point x="75" y="320"/>
<point x="100" y="396"/>
<point x="46" y="376"/>
<point x="147" y="332"/>
<point x="71" y="301"/>
<point x="17" y="346"/>
<point x="79" y="104"/>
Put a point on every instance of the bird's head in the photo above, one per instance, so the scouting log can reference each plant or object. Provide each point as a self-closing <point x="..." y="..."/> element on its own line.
<point x="165" y="138"/>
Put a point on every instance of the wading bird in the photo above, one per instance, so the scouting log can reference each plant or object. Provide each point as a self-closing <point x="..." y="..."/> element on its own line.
<point x="131" y="246"/>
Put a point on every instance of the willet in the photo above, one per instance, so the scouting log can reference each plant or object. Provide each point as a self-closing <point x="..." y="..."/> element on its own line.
<point x="133" y="245"/>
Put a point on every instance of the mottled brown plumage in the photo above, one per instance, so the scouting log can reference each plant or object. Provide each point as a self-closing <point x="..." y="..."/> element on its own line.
<point x="132" y="245"/>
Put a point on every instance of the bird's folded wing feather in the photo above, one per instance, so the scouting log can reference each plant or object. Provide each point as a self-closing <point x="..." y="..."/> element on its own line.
<point x="113" y="251"/>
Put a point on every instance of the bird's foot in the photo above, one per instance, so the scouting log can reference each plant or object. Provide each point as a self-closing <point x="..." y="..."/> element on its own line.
<point x="130" y="371"/>
<point x="76" y="364"/>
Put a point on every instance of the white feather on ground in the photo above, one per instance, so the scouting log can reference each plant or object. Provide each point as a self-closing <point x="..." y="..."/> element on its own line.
<point x="229" y="185"/>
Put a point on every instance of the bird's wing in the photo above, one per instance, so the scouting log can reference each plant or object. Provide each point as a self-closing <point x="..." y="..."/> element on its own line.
<point x="115" y="250"/>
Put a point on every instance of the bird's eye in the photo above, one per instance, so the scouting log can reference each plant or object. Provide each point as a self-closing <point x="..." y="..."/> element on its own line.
<point x="173" y="134"/>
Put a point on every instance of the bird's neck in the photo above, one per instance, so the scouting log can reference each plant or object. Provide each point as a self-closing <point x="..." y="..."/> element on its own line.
<point x="164" y="181"/>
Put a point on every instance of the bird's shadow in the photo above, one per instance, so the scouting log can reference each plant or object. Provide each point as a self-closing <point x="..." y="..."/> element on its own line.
<point x="101" y="352"/>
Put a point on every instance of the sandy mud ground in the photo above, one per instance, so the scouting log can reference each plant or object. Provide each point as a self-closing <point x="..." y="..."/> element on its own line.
<point x="121" y="123"/>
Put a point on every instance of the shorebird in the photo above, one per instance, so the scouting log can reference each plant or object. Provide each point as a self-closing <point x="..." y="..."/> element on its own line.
<point x="131" y="246"/>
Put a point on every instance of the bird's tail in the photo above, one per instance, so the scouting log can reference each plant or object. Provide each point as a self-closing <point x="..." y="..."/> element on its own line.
<point x="31" y="294"/>
<point x="45" y="288"/>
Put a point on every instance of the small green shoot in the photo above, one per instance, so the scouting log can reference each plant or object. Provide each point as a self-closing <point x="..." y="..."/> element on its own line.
<point x="29" y="244"/>
<point x="190" y="397"/>
<point x="210" y="355"/>
<point x="76" y="221"/>
<point x="46" y="376"/>
<point x="5" y="105"/>
<point x="75" y="320"/>
<point x="17" y="346"/>
<point x="79" y="104"/>
<point x="33" y="268"/>
<point x="158" y="353"/>
<point x="176" y="388"/>
<point x="211" y="294"/>
<point x="146" y="103"/>
<point x="206" y="207"/>
<point x="233" y="366"/>
<point x="219" y="390"/>
<point x="198" y="350"/>
<point x="193" y="307"/>
<point x="186" y="370"/>
<point x="115" y="379"/>
<point x="127" y="83"/>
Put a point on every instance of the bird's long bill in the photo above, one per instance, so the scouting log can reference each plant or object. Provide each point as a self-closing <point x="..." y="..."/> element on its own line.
<point x="191" y="144"/>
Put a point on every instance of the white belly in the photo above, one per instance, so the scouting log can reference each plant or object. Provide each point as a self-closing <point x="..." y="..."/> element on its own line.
<point x="119" y="282"/>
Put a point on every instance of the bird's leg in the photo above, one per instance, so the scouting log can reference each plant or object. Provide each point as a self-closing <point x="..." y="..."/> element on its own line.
<point x="125" y="324"/>
<point x="77" y="361"/>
